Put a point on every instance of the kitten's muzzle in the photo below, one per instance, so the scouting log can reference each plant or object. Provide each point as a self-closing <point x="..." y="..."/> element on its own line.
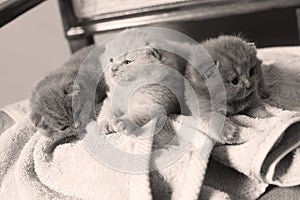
<point x="114" y="68"/>
<point x="44" y="132"/>
<point x="247" y="84"/>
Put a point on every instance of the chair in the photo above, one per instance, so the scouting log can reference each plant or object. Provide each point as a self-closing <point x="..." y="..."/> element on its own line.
<point x="84" y="18"/>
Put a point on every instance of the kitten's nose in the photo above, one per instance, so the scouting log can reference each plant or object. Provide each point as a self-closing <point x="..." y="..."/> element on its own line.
<point x="114" y="68"/>
<point x="247" y="83"/>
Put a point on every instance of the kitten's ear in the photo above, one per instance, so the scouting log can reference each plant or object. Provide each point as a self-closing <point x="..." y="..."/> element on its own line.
<point x="36" y="119"/>
<point x="211" y="70"/>
<point x="153" y="52"/>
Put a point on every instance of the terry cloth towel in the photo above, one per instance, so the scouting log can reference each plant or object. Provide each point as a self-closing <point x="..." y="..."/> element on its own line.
<point x="45" y="170"/>
<point x="37" y="167"/>
<point x="270" y="154"/>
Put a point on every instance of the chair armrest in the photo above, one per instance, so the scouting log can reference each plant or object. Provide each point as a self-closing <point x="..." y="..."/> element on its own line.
<point x="10" y="9"/>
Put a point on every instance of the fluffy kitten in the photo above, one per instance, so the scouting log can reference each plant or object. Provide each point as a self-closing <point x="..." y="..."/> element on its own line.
<point x="242" y="77"/>
<point x="132" y="67"/>
<point x="51" y="99"/>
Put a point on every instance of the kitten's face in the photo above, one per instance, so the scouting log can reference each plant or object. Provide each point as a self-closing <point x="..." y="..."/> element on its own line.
<point x="51" y="105"/>
<point x="47" y="125"/>
<point x="240" y="77"/>
<point x="240" y="69"/>
<point x="50" y="114"/>
<point x="119" y="67"/>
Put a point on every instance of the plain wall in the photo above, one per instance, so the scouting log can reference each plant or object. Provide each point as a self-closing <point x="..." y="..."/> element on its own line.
<point x="30" y="47"/>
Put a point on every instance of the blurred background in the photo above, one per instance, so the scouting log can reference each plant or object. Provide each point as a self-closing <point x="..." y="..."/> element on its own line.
<point x="34" y="44"/>
<point x="30" y="46"/>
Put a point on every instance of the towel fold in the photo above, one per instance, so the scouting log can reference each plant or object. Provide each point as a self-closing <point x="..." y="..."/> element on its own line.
<point x="270" y="151"/>
<point x="235" y="184"/>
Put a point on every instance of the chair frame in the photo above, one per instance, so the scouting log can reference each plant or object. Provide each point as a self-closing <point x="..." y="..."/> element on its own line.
<point x="80" y="32"/>
<point x="11" y="9"/>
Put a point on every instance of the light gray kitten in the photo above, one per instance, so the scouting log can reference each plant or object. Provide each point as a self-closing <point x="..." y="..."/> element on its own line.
<point x="139" y="63"/>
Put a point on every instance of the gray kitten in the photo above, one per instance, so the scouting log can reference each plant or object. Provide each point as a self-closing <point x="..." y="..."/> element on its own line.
<point x="51" y="100"/>
<point x="242" y="77"/>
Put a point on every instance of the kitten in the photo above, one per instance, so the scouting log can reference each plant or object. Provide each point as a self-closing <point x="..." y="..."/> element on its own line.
<point x="51" y="99"/>
<point x="127" y="71"/>
<point x="242" y="77"/>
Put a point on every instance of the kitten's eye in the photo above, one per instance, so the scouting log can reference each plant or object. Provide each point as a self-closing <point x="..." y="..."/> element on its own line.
<point x="251" y="71"/>
<point x="126" y="62"/>
<point x="111" y="60"/>
<point x="63" y="128"/>
<point x="234" y="81"/>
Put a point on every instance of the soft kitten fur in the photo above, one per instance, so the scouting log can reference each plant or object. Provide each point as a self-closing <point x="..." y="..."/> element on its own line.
<point x="51" y="100"/>
<point x="151" y="96"/>
<point x="242" y="77"/>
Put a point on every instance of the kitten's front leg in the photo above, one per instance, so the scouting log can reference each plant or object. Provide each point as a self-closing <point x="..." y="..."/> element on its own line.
<point x="262" y="89"/>
<point x="110" y="119"/>
<point x="106" y="118"/>
<point x="258" y="111"/>
<point x="228" y="132"/>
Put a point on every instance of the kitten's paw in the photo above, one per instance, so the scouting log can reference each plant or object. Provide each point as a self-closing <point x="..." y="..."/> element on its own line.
<point x="259" y="113"/>
<point x="230" y="133"/>
<point x="106" y="126"/>
<point x="264" y="114"/>
<point x="120" y="126"/>
<point x="113" y="125"/>
<point x="126" y="126"/>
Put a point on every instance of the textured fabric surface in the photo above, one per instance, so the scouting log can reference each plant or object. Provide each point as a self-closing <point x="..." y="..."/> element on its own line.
<point x="71" y="172"/>
<point x="33" y="166"/>
<point x="279" y="193"/>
